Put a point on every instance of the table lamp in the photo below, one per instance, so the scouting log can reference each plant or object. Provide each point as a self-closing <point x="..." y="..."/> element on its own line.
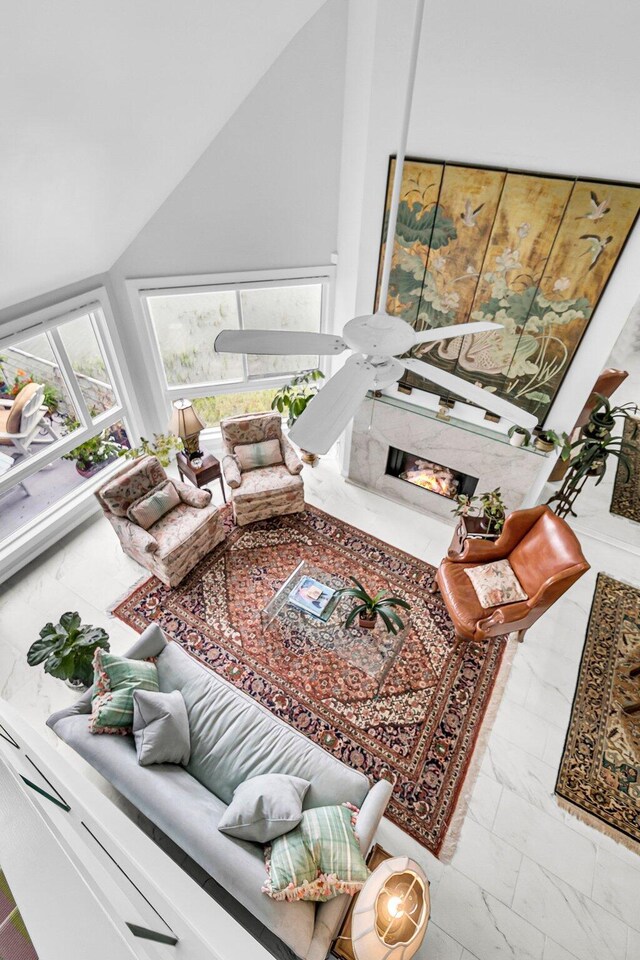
<point x="186" y="424"/>
<point x="391" y="913"/>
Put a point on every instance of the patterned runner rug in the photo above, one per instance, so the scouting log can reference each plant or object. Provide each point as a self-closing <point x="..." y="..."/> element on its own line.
<point x="625" y="500"/>
<point x="599" y="777"/>
<point x="419" y="730"/>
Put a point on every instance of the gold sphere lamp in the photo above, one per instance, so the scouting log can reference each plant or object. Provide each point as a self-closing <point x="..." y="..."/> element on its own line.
<point x="186" y="424"/>
<point x="392" y="911"/>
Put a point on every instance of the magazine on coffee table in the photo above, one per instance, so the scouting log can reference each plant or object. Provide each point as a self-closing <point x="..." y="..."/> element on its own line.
<point x="314" y="597"/>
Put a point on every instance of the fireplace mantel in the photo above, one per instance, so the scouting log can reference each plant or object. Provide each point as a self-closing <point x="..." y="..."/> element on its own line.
<point x="389" y="421"/>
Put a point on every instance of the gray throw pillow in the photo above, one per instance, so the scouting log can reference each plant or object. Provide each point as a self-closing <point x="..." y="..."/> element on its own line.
<point x="161" y="727"/>
<point x="264" y="807"/>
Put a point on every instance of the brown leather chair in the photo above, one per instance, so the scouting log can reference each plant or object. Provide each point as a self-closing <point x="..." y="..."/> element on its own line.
<point x="546" y="558"/>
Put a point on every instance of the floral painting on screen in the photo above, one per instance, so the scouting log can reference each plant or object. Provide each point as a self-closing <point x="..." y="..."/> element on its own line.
<point x="531" y="252"/>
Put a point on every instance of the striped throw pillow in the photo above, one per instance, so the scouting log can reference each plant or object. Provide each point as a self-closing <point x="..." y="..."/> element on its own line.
<point x="317" y="860"/>
<point x="253" y="455"/>
<point x="115" y="679"/>
<point x="148" y="509"/>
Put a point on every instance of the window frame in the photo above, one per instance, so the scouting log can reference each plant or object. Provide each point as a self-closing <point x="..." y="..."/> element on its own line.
<point x="141" y="288"/>
<point x="96" y="305"/>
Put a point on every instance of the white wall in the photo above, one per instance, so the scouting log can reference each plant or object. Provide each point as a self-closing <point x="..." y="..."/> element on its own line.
<point x="546" y="87"/>
<point x="265" y="192"/>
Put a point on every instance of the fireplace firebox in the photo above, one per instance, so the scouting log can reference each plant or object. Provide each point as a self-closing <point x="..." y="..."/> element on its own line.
<point x="432" y="476"/>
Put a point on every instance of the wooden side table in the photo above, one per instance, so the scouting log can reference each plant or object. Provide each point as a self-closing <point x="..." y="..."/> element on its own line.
<point x="341" y="946"/>
<point x="201" y="476"/>
<point x="468" y="527"/>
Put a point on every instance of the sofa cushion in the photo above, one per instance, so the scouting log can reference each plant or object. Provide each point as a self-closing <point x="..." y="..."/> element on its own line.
<point x="251" y="456"/>
<point x="132" y="483"/>
<point x="265" y="807"/>
<point x="272" y="479"/>
<point x="151" y="506"/>
<point x="178" y="526"/>
<point x="496" y="584"/>
<point x="318" y="860"/>
<point x="234" y="738"/>
<point x="188" y="813"/>
<point x="115" y="680"/>
<point x="160" y="727"/>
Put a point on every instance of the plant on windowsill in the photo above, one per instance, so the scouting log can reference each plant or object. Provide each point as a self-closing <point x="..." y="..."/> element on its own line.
<point x="67" y="648"/>
<point x="293" y="399"/>
<point x="163" y="446"/>
<point x="489" y="508"/>
<point x="369" y="608"/>
<point x="94" y="454"/>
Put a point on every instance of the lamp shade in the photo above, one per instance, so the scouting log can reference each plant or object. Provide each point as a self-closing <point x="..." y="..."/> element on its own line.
<point x="184" y="420"/>
<point x="392" y="911"/>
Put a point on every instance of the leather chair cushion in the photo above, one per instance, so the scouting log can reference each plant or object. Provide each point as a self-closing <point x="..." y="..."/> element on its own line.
<point x="462" y="600"/>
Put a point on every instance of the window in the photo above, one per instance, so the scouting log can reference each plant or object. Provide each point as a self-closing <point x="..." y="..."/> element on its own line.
<point x="77" y="422"/>
<point x="183" y="321"/>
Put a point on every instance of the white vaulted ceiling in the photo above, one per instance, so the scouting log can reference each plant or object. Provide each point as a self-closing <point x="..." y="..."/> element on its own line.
<point x="105" y="106"/>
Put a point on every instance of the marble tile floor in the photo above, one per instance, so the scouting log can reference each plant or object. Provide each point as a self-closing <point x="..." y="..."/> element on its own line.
<point x="527" y="881"/>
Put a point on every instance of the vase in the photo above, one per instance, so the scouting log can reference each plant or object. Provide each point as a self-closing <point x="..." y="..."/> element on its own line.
<point x="77" y="685"/>
<point x="517" y="439"/>
<point x="546" y="446"/>
<point x="311" y="459"/>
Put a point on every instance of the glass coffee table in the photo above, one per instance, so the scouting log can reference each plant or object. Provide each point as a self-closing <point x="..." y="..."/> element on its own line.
<point x="372" y="651"/>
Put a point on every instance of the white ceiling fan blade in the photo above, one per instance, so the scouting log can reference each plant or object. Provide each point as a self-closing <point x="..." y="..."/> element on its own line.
<point x="318" y="428"/>
<point x="278" y="342"/>
<point x="470" y="392"/>
<point x="456" y="330"/>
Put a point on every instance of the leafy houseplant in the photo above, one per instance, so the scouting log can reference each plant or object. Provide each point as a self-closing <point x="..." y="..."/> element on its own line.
<point x="590" y="452"/>
<point x="162" y="446"/>
<point x="93" y="454"/>
<point x="488" y="507"/>
<point x="67" y="648"/>
<point x="293" y="399"/>
<point x="369" y="607"/>
<point x="548" y="440"/>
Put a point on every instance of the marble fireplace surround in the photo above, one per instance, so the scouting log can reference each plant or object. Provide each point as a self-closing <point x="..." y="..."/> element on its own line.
<point x="463" y="447"/>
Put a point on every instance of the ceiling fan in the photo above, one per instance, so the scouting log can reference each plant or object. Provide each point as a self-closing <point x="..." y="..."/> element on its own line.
<point x="377" y="340"/>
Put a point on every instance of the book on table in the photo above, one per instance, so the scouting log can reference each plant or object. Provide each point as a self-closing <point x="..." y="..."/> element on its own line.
<point x="314" y="597"/>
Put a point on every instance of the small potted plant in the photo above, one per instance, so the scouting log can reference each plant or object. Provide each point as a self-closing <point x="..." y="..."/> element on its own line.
<point x="602" y="419"/>
<point x="488" y="508"/>
<point x="94" y="454"/>
<point x="66" y="648"/>
<point x="163" y="446"/>
<point x="369" y="608"/>
<point x="547" y="441"/>
<point x="293" y="399"/>
<point x="519" y="436"/>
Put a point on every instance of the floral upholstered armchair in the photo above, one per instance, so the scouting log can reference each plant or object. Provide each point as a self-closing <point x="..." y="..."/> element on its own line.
<point x="165" y="525"/>
<point x="261" y="468"/>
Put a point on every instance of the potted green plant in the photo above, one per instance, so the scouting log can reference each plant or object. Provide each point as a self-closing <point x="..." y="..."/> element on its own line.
<point x="489" y="508"/>
<point x="293" y="398"/>
<point x="163" y="446"/>
<point x="66" y="648"/>
<point x="602" y="419"/>
<point x="549" y="440"/>
<point x="94" y="454"/>
<point x="369" y="607"/>
<point x="519" y="436"/>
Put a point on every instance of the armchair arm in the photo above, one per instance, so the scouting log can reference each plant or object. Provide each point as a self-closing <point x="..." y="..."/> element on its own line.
<point x="231" y="471"/>
<point x="130" y="534"/>
<point x="292" y="461"/>
<point x="192" y="496"/>
<point x="511" y="613"/>
<point x="517" y="525"/>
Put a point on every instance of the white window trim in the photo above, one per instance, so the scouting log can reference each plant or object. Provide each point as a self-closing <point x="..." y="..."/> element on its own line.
<point x="78" y="504"/>
<point x="139" y="288"/>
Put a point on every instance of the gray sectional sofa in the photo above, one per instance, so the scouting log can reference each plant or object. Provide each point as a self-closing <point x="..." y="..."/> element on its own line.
<point x="232" y="738"/>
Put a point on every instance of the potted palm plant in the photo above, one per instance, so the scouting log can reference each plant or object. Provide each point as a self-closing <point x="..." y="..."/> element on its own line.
<point x="66" y="648"/>
<point x="293" y="398"/>
<point x="369" y="608"/>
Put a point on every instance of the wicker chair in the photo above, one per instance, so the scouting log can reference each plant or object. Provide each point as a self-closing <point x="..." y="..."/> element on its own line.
<point x="265" y="491"/>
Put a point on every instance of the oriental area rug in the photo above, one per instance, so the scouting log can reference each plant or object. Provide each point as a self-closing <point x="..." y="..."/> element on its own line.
<point x="625" y="500"/>
<point x="599" y="778"/>
<point x="418" y="730"/>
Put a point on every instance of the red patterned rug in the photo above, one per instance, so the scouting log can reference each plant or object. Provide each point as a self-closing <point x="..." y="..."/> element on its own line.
<point x="421" y="729"/>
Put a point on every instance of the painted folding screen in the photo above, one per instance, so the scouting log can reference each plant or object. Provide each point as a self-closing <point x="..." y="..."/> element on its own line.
<point x="532" y="252"/>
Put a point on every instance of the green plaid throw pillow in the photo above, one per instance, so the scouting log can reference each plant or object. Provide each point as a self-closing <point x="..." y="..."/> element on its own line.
<point x="115" y="679"/>
<point x="317" y="860"/>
